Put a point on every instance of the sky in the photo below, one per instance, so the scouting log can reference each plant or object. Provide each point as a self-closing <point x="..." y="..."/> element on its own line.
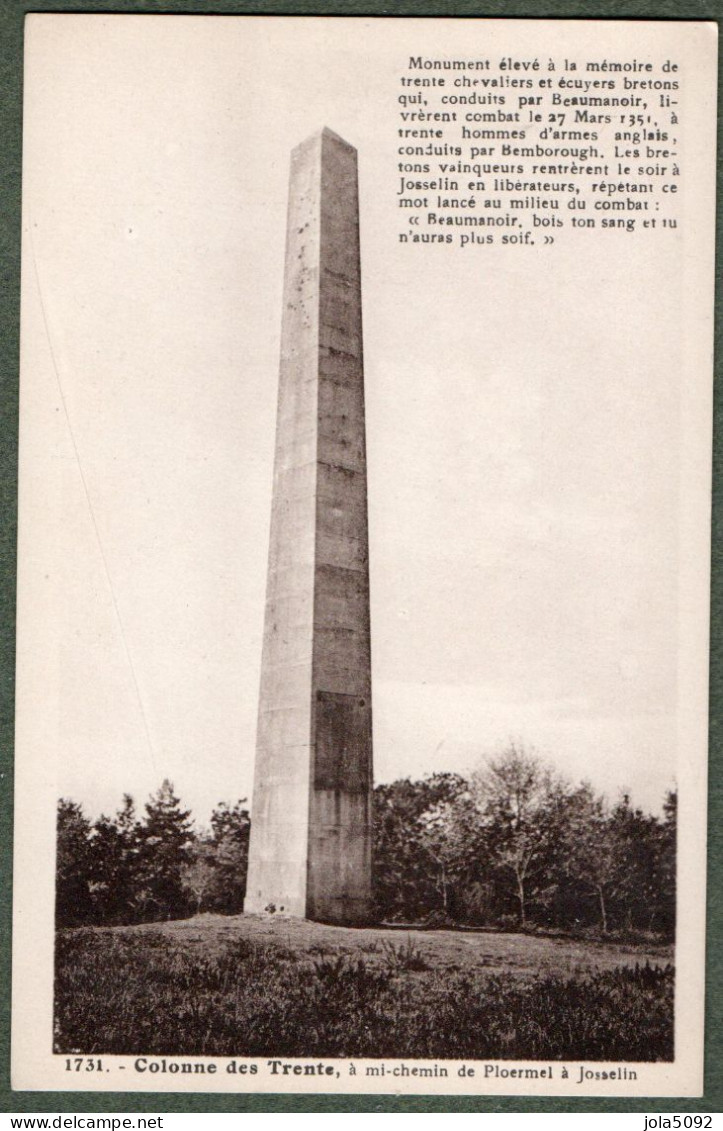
<point x="523" y="430"/>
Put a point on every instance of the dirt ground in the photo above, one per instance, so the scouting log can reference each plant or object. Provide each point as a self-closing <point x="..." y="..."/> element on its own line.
<point x="496" y="952"/>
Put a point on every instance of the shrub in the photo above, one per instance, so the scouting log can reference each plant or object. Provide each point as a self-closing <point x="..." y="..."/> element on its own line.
<point x="403" y="957"/>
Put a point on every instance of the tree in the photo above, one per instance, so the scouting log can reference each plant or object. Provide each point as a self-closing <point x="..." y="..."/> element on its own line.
<point x="199" y="874"/>
<point x="73" y="901"/>
<point x="635" y="839"/>
<point x="591" y="850"/>
<point x="416" y="845"/>
<point x="453" y="838"/>
<point x="521" y="803"/>
<point x="231" y="827"/>
<point x="666" y="865"/>
<point x="165" y="841"/>
<point x="115" y="851"/>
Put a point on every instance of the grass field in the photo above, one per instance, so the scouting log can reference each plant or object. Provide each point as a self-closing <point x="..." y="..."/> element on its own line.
<point x="257" y="986"/>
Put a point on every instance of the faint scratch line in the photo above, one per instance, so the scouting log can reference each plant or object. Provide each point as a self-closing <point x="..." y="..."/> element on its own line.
<point x="88" y="500"/>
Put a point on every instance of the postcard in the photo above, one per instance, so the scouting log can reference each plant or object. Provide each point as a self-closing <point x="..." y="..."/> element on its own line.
<point x="363" y="598"/>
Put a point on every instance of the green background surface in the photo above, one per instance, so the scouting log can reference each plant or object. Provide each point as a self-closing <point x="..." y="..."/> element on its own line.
<point x="12" y="14"/>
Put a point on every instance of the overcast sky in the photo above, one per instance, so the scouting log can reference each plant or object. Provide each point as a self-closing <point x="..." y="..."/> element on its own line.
<point x="522" y="427"/>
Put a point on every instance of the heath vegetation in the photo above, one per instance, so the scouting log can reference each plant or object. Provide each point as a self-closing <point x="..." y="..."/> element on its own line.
<point x="218" y="986"/>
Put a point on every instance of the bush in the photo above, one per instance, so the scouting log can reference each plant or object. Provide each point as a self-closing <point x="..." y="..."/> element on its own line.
<point x="403" y="957"/>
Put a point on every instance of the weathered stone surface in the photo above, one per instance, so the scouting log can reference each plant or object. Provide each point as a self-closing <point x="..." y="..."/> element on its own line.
<point x="310" y="852"/>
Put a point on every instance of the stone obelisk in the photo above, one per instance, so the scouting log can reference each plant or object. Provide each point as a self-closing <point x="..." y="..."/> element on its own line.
<point x="310" y="850"/>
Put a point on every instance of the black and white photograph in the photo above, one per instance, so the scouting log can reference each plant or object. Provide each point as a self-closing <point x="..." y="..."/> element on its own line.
<point x="363" y="570"/>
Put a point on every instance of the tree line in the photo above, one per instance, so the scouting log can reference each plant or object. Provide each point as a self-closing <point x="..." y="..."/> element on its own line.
<point x="133" y="869"/>
<point x="513" y="845"/>
<point x="517" y="846"/>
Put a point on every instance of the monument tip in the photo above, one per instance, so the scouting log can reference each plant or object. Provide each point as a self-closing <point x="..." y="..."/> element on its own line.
<point x="322" y="134"/>
<point x="325" y="132"/>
